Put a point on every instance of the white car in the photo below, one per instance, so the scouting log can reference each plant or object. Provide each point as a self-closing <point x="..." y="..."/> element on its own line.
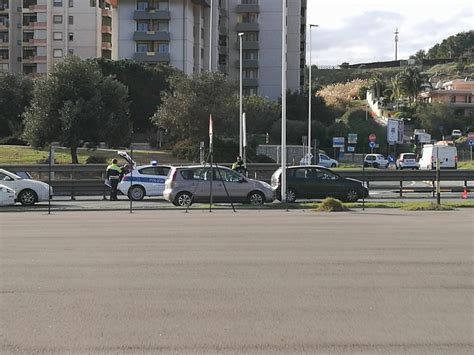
<point x="27" y="191"/>
<point x="144" y="180"/>
<point x="376" y="161"/>
<point x="7" y="196"/>
<point x="407" y="161"/>
<point x="324" y="160"/>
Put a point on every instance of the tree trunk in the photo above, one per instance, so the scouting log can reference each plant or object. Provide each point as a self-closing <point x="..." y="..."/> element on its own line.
<point x="74" y="159"/>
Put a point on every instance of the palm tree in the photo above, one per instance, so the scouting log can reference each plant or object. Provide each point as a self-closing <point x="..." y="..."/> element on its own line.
<point x="396" y="86"/>
<point x="377" y="84"/>
<point x="412" y="82"/>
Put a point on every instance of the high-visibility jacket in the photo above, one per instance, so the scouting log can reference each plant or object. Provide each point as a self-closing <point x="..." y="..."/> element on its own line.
<point x="113" y="171"/>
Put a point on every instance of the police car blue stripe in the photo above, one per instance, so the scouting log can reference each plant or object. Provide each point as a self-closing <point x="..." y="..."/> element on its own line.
<point x="145" y="179"/>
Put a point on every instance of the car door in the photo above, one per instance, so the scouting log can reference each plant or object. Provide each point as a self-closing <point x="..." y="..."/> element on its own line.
<point x="302" y="182"/>
<point x="235" y="184"/>
<point x="148" y="179"/>
<point x="327" y="184"/>
<point x="324" y="160"/>
<point x="160" y="173"/>
<point x="203" y="192"/>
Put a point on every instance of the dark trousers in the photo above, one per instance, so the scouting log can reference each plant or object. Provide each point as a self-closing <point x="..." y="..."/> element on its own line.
<point x="113" y="188"/>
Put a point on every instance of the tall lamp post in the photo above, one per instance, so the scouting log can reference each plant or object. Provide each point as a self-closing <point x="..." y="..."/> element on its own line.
<point x="210" y="36"/>
<point x="283" y="103"/>
<point x="241" y="142"/>
<point x="309" y="93"/>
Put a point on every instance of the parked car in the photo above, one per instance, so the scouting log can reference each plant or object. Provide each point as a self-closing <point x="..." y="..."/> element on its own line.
<point x="376" y="161"/>
<point x="7" y="196"/>
<point x="456" y="133"/>
<point x="407" y="161"/>
<point x="28" y="191"/>
<point x="188" y="184"/>
<point x="324" y="160"/>
<point x="143" y="180"/>
<point x="314" y="181"/>
<point x="446" y="154"/>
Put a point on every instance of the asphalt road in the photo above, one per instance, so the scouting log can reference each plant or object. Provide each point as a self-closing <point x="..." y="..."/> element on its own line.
<point x="250" y="282"/>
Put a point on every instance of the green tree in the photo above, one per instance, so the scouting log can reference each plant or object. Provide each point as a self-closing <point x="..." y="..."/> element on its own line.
<point x="455" y="46"/>
<point x="260" y="114"/>
<point x="412" y="82"/>
<point x="76" y="104"/>
<point x="146" y="84"/>
<point x="377" y="84"/>
<point x="439" y="120"/>
<point x="185" y="110"/>
<point x="15" y="95"/>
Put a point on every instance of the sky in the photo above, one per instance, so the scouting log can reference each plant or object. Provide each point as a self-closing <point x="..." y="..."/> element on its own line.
<point x="360" y="31"/>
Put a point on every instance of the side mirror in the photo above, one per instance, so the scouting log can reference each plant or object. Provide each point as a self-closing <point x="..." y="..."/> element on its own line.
<point x="242" y="180"/>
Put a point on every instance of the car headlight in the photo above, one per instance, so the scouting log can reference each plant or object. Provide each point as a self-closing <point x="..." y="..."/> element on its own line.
<point x="6" y="189"/>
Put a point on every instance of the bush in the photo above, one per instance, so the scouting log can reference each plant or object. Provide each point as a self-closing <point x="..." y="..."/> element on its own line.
<point x="427" y="207"/>
<point x="96" y="159"/>
<point x="330" y="204"/>
<point x="186" y="150"/>
<point x="12" y="140"/>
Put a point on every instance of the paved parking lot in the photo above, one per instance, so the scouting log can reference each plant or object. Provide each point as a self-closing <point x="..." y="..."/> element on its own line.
<point x="248" y="282"/>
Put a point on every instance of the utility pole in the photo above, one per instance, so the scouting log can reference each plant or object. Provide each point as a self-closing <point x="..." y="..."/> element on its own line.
<point x="396" y="43"/>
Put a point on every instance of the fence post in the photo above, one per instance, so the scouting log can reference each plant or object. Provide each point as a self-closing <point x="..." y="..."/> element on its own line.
<point x="401" y="187"/>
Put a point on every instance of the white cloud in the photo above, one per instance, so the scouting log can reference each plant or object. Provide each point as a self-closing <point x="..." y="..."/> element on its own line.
<point x="363" y="30"/>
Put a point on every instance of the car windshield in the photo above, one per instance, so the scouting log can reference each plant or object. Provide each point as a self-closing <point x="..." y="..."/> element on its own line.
<point x="10" y="176"/>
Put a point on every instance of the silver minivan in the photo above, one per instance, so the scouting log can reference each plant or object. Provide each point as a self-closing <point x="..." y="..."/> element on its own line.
<point x="187" y="184"/>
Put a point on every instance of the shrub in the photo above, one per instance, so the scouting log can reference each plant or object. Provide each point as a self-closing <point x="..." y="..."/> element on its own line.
<point x="330" y="204"/>
<point x="427" y="207"/>
<point x="186" y="150"/>
<point x="12" y="140"/>
<point x="96" y="159"/>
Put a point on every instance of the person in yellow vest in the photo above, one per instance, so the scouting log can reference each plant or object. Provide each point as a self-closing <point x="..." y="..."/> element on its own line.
<point x="113" y="173"/>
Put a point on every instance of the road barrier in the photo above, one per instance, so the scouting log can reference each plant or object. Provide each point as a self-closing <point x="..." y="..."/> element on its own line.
<point x="88" y="180"/>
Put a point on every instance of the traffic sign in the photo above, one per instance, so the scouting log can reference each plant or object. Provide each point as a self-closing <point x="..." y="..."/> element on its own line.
<point x="338" y="142"/>
<point x="372" y="145"/>
<point x="372" y="137"/>
<point x="470" y="142"/>
<point x="351" y="149"/>
<point x="470" y="135"/>
<point x="352" y="138"/>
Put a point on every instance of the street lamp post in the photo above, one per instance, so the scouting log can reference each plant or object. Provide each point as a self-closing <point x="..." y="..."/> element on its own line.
<point x="283" y="104"/>
<point x="241" y="34"/>
<point x="210" y="36"/>
<point x="309" y="94"/>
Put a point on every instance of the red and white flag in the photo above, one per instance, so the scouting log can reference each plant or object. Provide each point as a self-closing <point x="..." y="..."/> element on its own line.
<point x="210" y="130"/>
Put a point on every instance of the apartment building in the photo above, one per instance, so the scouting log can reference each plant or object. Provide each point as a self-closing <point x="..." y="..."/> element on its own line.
<point x="35" y="34"/>
<point x="456" y="94"/>
<point x="179" y="33"/>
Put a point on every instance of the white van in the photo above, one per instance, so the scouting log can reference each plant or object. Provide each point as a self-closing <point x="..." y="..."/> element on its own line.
<point x="447" y="155"/>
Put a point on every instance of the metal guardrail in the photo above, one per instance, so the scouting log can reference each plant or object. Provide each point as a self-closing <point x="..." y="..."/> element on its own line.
<point x="88" y="180"/>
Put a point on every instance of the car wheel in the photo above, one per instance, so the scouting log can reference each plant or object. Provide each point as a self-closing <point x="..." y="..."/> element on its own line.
<point x="183" y="199"/>
<point x="27" y="197"/>
<point x="290" y="196"/>
<point x="256" y="198"/>
<point x="333" y="165"/>
<point x="376" y="165"/>
<point x="352" y="196"/>
<point x="136" y="193"/>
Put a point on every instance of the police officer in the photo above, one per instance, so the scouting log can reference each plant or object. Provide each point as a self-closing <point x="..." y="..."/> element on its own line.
<point x="239" y="166"/>
<point x="113" y="175"/>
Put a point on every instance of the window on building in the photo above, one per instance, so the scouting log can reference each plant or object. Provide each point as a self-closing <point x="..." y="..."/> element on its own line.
<point x="163" y="5"/>
<point x="249" y="2"/>
<point x="250" y="73"/>
<point x="71" y="20"/>
<point x="202" y="53"/>
<point x="143" y="47"/>
<point x="142" y="26"/>
<point x="142" y="5"/>
<point x="163" y="26"/>
<point x="250" y="54"/>
<point x="92" y="3"/>
<point x="163" y="48"/>
<point x="58" y="18"/>
<point x="453" y="99"/>
<point x="70" y="51"/>
<point x="250" y="37"/>
<point x="71" y="36"/>
<point x="57" y="36"/>
<point x="71" y="3"/>
<point x="250" y="91"/>
<point x="57" y="3"/>
<point x="58" y="53"/>
<point x="248" y="18"/>
<point x="4" y="67"/>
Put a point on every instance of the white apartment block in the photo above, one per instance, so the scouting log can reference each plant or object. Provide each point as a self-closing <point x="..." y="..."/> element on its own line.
<point x="35" y="34"/>
<point x="177" y="32"/>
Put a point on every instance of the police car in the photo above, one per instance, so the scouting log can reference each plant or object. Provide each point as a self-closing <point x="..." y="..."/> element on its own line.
<point x="144" y="180"/>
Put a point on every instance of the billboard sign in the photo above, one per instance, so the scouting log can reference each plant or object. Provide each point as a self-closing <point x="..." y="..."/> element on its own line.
<point x="352" y="138"/>
<point x="338" y="142"/>
<point x="395" y="128"/>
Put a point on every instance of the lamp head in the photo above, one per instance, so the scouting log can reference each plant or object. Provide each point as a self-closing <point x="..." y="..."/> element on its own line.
<point x="241" y="34"/>
<point x="313" y="26"/>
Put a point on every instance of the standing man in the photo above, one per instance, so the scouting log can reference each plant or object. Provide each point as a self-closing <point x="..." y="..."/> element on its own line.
<point x="113" y="174"/>
<point x="239" y="166"/>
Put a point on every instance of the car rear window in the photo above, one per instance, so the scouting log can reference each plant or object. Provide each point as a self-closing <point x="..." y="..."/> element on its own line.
<point x="409" y="156"/>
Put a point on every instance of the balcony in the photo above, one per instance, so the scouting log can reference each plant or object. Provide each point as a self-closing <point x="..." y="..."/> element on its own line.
<point x="249" y="82"/>
<point x="107" y="29"/>
<point x="3" y="26"/>
<point x="247" y="45"/>
<point x="35" y="8"/>
<point x="151" y="36"/>
<point x="206" y="3"/>
<point x="152" y="57"/>
<point x="247" y="63"/>
<point x="4" y="9"/>
<point x="4" y="42"/>
<point x="246" y="8"/>
<point x="151" y="15"/>
<point x="106" y="13"/>
<point x="35" y="26"/>
<point x="35" y="60"/>
<point x="247" y="27"/>
<point x="106" y="46"/>
<point x="37" y="42"/>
